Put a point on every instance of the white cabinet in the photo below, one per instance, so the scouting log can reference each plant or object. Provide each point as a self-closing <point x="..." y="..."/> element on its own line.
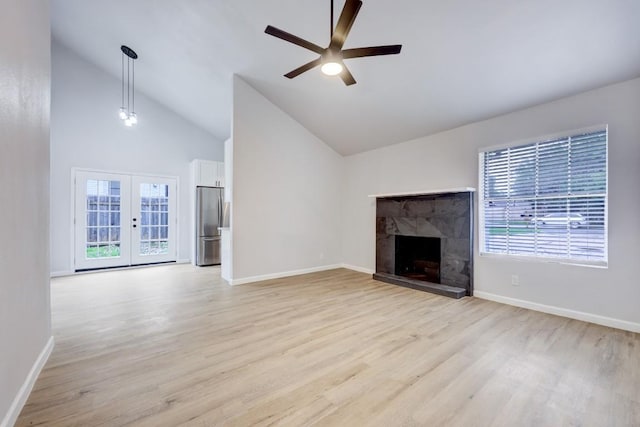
<point x="208" y="173"/>
<point x="221" y="180"/>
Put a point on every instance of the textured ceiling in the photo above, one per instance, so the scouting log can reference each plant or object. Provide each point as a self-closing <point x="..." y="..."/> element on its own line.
<point x="462" y="60"/>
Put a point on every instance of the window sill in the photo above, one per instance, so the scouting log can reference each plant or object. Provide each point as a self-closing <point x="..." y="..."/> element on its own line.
<point x="525" y="258"/>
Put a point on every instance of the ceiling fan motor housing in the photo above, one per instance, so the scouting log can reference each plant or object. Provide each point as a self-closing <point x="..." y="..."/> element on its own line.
<point x="331" y="56"/>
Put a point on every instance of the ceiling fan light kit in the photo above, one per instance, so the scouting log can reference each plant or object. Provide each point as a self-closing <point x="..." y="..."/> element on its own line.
<point x="331" y="68"/>
<point x="331" y="57"/>
<point x="331" y="64"/>
<point x="127" y="114"/>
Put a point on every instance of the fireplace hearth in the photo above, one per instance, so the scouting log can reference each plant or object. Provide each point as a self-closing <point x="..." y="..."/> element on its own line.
<point x="425" y="242"/>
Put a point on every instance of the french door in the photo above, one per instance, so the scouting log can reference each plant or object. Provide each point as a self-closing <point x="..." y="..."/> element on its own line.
<point x="123" y="220"/>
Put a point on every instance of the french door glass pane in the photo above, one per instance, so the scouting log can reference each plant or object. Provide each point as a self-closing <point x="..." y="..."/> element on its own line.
<point x="103" y="219"/>
<point x="154" y="219"/>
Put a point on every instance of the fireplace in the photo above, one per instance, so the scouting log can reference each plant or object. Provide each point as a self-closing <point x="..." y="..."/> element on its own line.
<point x="425" y="241"/>
<point x="418" y="258"/>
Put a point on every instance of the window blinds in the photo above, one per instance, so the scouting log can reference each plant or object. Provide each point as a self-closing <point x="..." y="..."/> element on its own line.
<point x="547" y="199"/>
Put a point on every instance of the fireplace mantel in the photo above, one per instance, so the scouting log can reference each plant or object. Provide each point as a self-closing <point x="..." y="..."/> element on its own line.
<point x="424" y="192"/>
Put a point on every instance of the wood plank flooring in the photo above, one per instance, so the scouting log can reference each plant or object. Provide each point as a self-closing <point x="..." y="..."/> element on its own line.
<point x="175" y="345"/>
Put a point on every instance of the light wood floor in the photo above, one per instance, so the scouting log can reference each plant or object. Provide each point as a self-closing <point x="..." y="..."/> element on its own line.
<point x="174" y="345"/>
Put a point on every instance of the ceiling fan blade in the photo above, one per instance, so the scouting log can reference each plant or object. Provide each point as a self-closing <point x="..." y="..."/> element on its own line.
<point x="346" y="76"/>
<point x="276" y="32"/>
<point x="347" y="17"/>
<point x="371" y="51"/>
<point x="302" y="69"/>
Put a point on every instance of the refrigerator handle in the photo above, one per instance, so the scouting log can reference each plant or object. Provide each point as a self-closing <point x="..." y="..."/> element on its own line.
<point x="220" y="208"/>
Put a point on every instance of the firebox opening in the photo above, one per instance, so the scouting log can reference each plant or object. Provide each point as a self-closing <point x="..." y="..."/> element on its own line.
<point x="418" y="258"/>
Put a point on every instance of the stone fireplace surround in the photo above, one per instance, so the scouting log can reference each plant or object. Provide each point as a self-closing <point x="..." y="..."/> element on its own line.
<point x="446" y="214"/>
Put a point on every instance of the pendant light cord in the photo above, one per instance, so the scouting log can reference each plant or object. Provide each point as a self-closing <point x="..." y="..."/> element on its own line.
<point x="122" y="55"/>
<point x="128" y="85"/>
<point x="133" y="86"/>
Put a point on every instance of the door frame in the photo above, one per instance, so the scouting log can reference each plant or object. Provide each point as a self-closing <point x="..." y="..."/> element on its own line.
<point x="72" y="207"/>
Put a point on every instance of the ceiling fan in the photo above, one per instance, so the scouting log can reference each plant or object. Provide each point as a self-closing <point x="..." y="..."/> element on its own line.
<point x="331" y="58"/>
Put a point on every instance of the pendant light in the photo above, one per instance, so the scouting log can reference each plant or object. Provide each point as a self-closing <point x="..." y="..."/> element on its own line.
<point x="128" y="113"/>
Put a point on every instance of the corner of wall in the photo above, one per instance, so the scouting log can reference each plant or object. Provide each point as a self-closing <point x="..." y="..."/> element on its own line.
<point x="25" y="390"/>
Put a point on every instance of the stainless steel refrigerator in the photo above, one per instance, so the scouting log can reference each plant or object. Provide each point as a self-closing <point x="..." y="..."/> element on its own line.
<point x="209" y="203"/>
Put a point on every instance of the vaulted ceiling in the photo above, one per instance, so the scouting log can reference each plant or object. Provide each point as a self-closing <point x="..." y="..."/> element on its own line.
<point x="462" y="60"/>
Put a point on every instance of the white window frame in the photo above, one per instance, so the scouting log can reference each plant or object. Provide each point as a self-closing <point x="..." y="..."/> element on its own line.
<point x="540" y="258"/>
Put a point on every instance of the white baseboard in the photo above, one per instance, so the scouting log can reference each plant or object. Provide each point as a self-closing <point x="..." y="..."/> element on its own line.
<point x="21" y="398"/>
<point x="358" y="269"/>
<point x="283" y="274"/>
<point x="559" y="311"/>
<point x="126" y="267"/>
<point x="61" y="273"/>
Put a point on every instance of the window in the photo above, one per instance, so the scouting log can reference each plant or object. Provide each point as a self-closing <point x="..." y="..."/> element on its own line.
<point x="547" y="199"/>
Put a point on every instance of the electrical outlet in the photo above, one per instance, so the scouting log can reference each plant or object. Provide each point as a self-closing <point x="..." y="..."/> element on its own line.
<point x="515" y="280"/>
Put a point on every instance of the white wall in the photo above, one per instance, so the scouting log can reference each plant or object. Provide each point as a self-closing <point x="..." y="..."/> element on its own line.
<point x="87" y="133"/>
<point x="25" y="327"/>
<point x="450" y="159"/>
<point x="286" y="191"/>
<point x="226" y="259"/>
